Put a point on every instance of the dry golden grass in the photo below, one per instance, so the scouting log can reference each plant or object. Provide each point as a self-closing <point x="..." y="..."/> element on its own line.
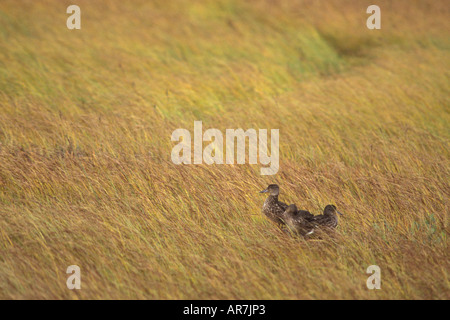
<point x="85" y="170"/>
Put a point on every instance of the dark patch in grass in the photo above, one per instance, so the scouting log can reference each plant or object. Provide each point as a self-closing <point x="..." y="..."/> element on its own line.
<point x="349" y="46"/>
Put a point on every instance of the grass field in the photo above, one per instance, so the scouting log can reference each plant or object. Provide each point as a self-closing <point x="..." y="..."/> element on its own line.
<point x="86" y="176"/>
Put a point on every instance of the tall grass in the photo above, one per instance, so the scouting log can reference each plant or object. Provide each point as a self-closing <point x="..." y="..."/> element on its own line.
<point x="85" y="171"/>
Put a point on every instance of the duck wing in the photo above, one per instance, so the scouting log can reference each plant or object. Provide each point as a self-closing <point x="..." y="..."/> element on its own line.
<point x="324" y="221"/>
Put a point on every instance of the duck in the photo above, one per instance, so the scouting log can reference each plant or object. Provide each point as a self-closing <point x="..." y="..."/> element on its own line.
<point x="329" y="217"/>
<point x="298" y="221"/>
<point x="307" y="225"/>
<point x="274" y="209"/>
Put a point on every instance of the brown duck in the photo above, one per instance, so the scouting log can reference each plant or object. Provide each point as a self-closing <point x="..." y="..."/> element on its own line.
<point x="274" y="209"/>
<point x="304" y="226"/>
<point x="329" y="217"/>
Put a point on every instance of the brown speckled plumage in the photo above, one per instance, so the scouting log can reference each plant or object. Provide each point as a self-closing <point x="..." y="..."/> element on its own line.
<point x="303" y="224"/>
<point x="274" y="209"/>
<point x="328" y="219"/>
<point x="298" y="221"/>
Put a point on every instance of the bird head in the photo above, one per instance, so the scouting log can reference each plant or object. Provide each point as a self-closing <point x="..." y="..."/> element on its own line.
<point x="331" y="209"/>
<point x="272" y="189"/>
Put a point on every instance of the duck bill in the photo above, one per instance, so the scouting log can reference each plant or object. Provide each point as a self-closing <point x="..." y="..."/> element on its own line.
<point x="340" y="213"/>
<point x="264" y="191"/>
